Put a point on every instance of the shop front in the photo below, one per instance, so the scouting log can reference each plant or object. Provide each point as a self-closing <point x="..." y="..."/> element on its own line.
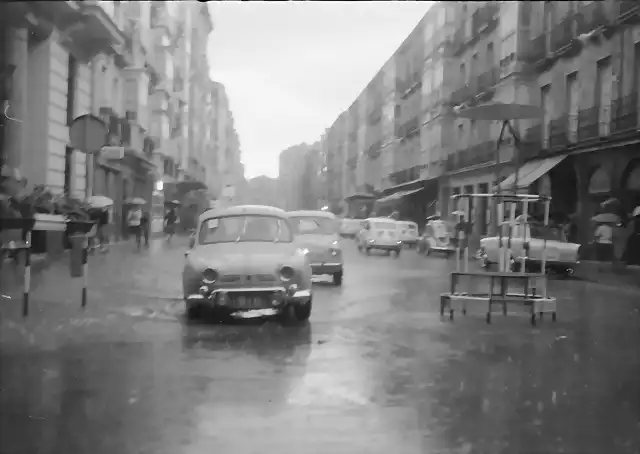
<point x="413" y="201"/>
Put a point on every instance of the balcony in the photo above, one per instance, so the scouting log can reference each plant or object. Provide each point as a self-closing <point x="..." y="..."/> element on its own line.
<point x="487" y="80"/>
<point x="588" y="124"/>
<point x="411" y="86"/>
<point x="558" y="137"/>
<point x="374" y="116"/>
<point x="628" y="8"/>
<point x="485" y="18"/>
<point x="589" y="17"/>
<point x="460" y="95"/>
<point x="373" y="151"/>
<point x="408" y="128"/>
<point x="625" y="114"/>
<point x="480" y="154"/>
<point x="563" y="33"/>
<point x="531" y="143"/>
<point x="536" y="49"/>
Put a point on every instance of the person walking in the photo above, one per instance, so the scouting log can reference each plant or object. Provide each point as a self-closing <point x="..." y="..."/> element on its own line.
<point x="134" y="220"/>
<point x="145" y="226"/>
<point x="170" y="223"/>
<point x="603" y="237"/>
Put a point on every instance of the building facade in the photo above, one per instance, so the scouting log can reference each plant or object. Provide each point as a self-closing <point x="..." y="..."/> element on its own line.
<point x="263" y="190"/>
<point x="292" y="171"/>
<point x="141" y="67"/>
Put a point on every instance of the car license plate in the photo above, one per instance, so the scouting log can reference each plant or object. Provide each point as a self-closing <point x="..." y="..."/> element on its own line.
<point x="248" y="302"/>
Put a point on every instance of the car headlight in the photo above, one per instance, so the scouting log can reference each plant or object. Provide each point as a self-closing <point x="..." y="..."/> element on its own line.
<point x="370" y="241"/>
<point x="304" y="250"/>
<point x="334" y="252"/>
<point x="286" y="273"/>
<point x="209" y="276"/>
<point x="335" y="243"/>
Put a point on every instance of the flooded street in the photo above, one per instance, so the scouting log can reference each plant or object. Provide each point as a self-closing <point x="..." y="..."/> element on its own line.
<point x="374" y="371"/>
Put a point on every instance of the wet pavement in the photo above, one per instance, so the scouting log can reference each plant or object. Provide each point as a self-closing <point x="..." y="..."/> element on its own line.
<point x="375" y="370"/>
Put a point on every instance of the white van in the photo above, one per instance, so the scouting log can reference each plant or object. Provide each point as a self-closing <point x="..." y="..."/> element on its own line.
<point x="381" y="234"/>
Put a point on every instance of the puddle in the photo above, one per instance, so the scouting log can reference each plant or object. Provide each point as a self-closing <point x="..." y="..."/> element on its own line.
<point x="166" y="313"/>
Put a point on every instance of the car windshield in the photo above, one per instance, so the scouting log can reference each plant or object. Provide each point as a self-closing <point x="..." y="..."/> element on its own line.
<point x="546" y="233"/>
<point x="408" y="226"/>
<point x="384" y="225"/>
<point x="313" y="225"/>
<point x="244" y="228"/>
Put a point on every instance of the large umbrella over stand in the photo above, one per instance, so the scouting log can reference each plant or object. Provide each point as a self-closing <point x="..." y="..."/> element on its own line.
<point x="99" y="201"/>
<point x="136" y="201"/>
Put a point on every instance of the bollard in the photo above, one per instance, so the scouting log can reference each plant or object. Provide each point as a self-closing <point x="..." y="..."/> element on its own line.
<point x="79" y="263"/>
<point x="27" y="275"/>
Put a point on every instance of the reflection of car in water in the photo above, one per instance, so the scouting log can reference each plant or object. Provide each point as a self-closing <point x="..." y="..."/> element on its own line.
<point x="349" y="228"/>
<point x="408" y="232"/>
<point x="528" y="241"/>
<point x="438" y="237"/>
<point x="243" y="262"/>
<point x="379" y="234"/>
<point x="316" y="232"/>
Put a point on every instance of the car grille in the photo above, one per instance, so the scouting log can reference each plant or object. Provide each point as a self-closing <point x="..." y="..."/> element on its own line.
<point x="249" y="279"/>
<point x="251" y="300"/>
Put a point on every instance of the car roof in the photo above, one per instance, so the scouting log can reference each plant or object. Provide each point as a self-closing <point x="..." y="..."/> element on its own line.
<point x="315" y="213"/>
<point x="406" y="222"/>
<point x="263" y="210"/>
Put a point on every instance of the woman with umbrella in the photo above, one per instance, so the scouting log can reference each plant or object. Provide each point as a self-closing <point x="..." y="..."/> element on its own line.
<point x="134" y="218"/>
<point x="603" y="235"/>
<point x="99" y="213"/>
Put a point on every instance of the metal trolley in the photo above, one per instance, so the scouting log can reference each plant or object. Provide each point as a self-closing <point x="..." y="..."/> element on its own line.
<point x="495" y="289"/>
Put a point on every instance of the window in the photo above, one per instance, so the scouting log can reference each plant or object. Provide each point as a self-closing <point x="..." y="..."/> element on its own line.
<point x="308" y="225"/>
<point x="572" y="105"/>
<point x="72" y="76"/>
<point x="545" y="93"/>
<point x="429" y="31"/>
<point x="604" y="86"/>
<point x="463" y="73"/>
<point x="473" y="69"/>
<point x="490" y="57"/>
<point x="251" y="228"/>
<point x="68" y="170"/>
<point x="438" y="75"/>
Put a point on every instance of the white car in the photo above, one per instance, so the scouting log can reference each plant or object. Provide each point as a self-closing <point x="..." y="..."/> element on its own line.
<point x="408" y="232"/>
<point x="528" y="241"/>
<point x="349" y="228"/>
<point x="379" y="234"/>
<point x="316" y="232"/>
<point x="242" y="262"/>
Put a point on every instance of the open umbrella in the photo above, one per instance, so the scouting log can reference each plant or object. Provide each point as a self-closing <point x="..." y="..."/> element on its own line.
<point x="458" y="213"/>
<point x="173" y="202"/>
<point x="606" y="218"/>
<point x="136" y="201"/>
<point x="99" y="201"/>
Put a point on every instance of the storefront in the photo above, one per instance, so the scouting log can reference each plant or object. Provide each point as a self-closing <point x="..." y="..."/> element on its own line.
<point x="414" y="200"/>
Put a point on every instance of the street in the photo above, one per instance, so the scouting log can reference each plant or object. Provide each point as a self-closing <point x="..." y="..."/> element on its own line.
<point x="375" y="370"/>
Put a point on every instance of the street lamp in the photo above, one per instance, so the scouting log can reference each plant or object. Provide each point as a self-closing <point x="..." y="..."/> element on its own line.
<point x="159" y="185"/>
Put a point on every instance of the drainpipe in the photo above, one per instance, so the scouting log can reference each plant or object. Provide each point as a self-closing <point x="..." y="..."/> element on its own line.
<point x="90" y="157"/>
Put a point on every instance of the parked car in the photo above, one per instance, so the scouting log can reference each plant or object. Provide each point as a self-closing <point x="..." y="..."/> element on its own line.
<point x="438" y="237"/>
<point x="528" y="241"/>
<point x="316" y="232"/>
<point x="408" y="231"/>
<point x="243" y="262"/>
<point x="349" y="228"/>
<point x="379" y="234"/>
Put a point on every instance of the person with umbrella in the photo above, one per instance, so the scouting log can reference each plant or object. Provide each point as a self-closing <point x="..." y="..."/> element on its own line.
<point x="99" y="214"/>
<point x="170" y="220"/>
<point x="134" y="219"/>
<point x="603" y="235"/>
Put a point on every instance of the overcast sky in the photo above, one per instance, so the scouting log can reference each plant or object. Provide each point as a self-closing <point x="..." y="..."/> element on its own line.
<point x="290" y="68"/>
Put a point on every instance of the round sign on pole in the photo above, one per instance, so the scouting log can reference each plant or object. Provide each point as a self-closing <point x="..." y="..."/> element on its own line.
<point x="87" y="133"/>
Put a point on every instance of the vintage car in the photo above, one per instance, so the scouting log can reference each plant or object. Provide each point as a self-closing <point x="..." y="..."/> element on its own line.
<point x="528" y="242"/>
<point x="379" y="234"/>
<point x="408" y="231"/>
<point x="243" y="263"/>
<point x="438" y="237"/>
<point x="316" y="232"/>
<point x="349" y="228"/>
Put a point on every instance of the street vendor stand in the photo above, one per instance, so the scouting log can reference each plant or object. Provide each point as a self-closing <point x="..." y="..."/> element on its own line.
<point x="505" y="286"/>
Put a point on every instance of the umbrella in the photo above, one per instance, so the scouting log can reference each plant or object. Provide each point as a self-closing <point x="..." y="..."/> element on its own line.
<point x="458" y="213"/>
<point x="636" y="212"/>
<point x="173" y="202"/>
<point x="136" y="201"/>
<point x="99" y="201"/>
<point x="433" y="218"/>
<point x="606" y="218"/>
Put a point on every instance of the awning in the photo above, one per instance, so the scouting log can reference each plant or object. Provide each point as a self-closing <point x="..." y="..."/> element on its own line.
<point x="398" y="195"/>
<point x="530" y="172"/>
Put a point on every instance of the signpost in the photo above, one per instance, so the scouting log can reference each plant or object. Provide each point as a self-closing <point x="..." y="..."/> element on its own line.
<point x="88" y="134"/>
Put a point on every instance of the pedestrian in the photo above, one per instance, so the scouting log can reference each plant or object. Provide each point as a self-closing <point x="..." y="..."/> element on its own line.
<point x="603" y="237"/>
<point x="134" y="219"/>
<point x="632" y="249"/>
<point x="170" y="223"/>
<point x="145" y="226"/>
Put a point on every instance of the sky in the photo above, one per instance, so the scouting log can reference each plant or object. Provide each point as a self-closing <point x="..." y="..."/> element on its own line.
<point x="291" y="68"/>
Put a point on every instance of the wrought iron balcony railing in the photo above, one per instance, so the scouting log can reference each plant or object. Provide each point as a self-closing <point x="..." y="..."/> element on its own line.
<point x="536" y="49"/>
<point x="558" y="137"/>
<point x="488" y="79"/>
<point x="589" y="17"/>
<point x="625" y="113"/>
<point x="563" y="33"/>
<point x="485" y="18"/>
<point x="588" y="124"/>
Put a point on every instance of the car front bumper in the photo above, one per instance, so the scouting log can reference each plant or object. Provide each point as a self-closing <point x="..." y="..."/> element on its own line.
<point x="384" y="246"/>
<point x="277" y="298"/>
<point x="332" y="267"/>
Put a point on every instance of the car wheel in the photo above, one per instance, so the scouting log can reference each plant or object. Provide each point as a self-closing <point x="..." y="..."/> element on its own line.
<point x="194" y="312"/>
<point x="398" y="252"/>
<point x="427" y="250"/>
<point x="387" y="253"/>
<point x="297" y="313"/>
<point x="337" y="278"/>
<point x="368" y="250"/>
